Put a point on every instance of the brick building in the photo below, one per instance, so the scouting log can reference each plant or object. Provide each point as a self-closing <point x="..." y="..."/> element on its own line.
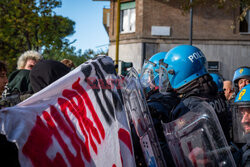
<point x="151" y="26"/>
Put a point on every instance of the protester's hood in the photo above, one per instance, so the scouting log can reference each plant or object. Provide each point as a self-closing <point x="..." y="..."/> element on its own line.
<point x="19" y="81"/>
<point x="45" y="72"/>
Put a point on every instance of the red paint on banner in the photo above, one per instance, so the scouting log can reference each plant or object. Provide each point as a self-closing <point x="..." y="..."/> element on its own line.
<point x="37" y="145"/>
<point x="125" y="137"/>
<point x="88" y="102"/>
<point x="55" y="123"/>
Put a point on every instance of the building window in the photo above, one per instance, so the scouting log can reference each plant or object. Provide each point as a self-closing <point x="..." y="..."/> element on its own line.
<point x="127" y="17"/>
<point x="245" y="24"/>
<point x="213" y="66"/>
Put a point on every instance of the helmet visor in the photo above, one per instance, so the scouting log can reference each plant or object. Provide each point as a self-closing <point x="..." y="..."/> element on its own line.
<point x="164" y="84"/>
<point x="245" y="118"/>
<point x="241" y="123"/>
<point x="147" y="78"/>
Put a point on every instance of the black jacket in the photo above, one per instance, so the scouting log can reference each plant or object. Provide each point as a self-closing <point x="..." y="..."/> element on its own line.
<point x="204" y="89"/>
<point x="160" y="107"/>
<point x="46" y="72"/>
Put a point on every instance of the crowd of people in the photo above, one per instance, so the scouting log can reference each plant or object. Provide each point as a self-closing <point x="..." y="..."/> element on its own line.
<point x="175" y="83"/>
<point x="32" y="74"/>
<point x="178" y="83"/>
<point x="26" y="80"/>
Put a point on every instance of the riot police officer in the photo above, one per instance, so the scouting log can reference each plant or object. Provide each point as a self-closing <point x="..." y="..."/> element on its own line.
<point x="241" y="78"/>
<point x="186" y="73"/>
<point x="242" y="102"/>
<point x="159" y="104"/>
<point x="219" y="82"/>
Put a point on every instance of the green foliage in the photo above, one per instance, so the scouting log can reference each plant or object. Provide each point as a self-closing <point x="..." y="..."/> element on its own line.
<point x="32" y="24"/>
<point x="69" y="52"/>
<point x="186" y="4"/>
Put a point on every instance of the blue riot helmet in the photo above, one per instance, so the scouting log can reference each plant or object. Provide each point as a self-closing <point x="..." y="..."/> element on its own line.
<point x="241" y="115"/>
<point x="218" y="80"/>
<point x="149" y="76"/>
<point x="241" y="73"/>
<point x="182" y="64"/>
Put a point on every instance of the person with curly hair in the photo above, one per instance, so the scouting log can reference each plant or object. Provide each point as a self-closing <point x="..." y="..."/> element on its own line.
<point x="28" y="59"/>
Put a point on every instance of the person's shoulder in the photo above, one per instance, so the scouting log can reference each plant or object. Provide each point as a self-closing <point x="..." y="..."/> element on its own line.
<point x="194" y="102"/>
<point x="18" y="73"/>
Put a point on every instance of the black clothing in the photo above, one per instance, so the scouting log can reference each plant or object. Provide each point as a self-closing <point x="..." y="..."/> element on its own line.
<point x="8" y="153"/>
<point x="139" y="157"/>
<point x="160" y="106"/>
<point x="46" y="72"/>
<point x="204" y="90"/>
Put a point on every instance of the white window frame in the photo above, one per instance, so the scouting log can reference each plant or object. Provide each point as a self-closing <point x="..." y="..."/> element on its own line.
<point x="127" y="17"/>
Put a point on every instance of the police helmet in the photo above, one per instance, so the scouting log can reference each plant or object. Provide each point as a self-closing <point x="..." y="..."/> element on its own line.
<point x="241" y="115"/>
<point x="240" y="73"/>
<point x="149" y="76"/>
<point x="243" y="97"/>
<point x="183" y="64"/>
<point x="218" y="80"/>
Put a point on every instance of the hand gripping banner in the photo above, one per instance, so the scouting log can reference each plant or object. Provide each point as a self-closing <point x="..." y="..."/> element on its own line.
<point x="136" y="106"/>
<point x="79" y="120"/>
<point x="196" y="139"/>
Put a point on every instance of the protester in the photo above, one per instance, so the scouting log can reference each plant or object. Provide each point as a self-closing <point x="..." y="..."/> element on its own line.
<point x="186" y="73"/>
<point x="19" y="81"/>
<point x="242" y="101"/>
<point x="228" y="90"/>
<point x="46" y="72"/>
<point x="159" y="104"/>
<point x="3" y="76"/>
<point x="241" y="77"/>
<point x="69" y="63"/>
<point x="28" y="59"/>
<point x="18" y="88"/>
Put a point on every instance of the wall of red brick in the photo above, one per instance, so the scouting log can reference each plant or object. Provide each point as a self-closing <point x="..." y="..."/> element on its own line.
<point x="209" y="22"/>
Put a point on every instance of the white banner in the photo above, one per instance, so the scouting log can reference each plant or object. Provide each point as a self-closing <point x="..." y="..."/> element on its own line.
<point x="79" y="120"/>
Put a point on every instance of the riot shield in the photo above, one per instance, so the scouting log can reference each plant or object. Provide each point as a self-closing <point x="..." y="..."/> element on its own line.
<point x="238" y="130"/>
<point x="136" y="107"/>
<point x="196" y="139"/>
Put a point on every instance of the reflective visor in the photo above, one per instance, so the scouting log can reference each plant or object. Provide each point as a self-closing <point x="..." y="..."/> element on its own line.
<point x="164" y="84"/>
<point x="245" y="118"/>
<point x="241" y="123"/>
<point x="147" y="78"/>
